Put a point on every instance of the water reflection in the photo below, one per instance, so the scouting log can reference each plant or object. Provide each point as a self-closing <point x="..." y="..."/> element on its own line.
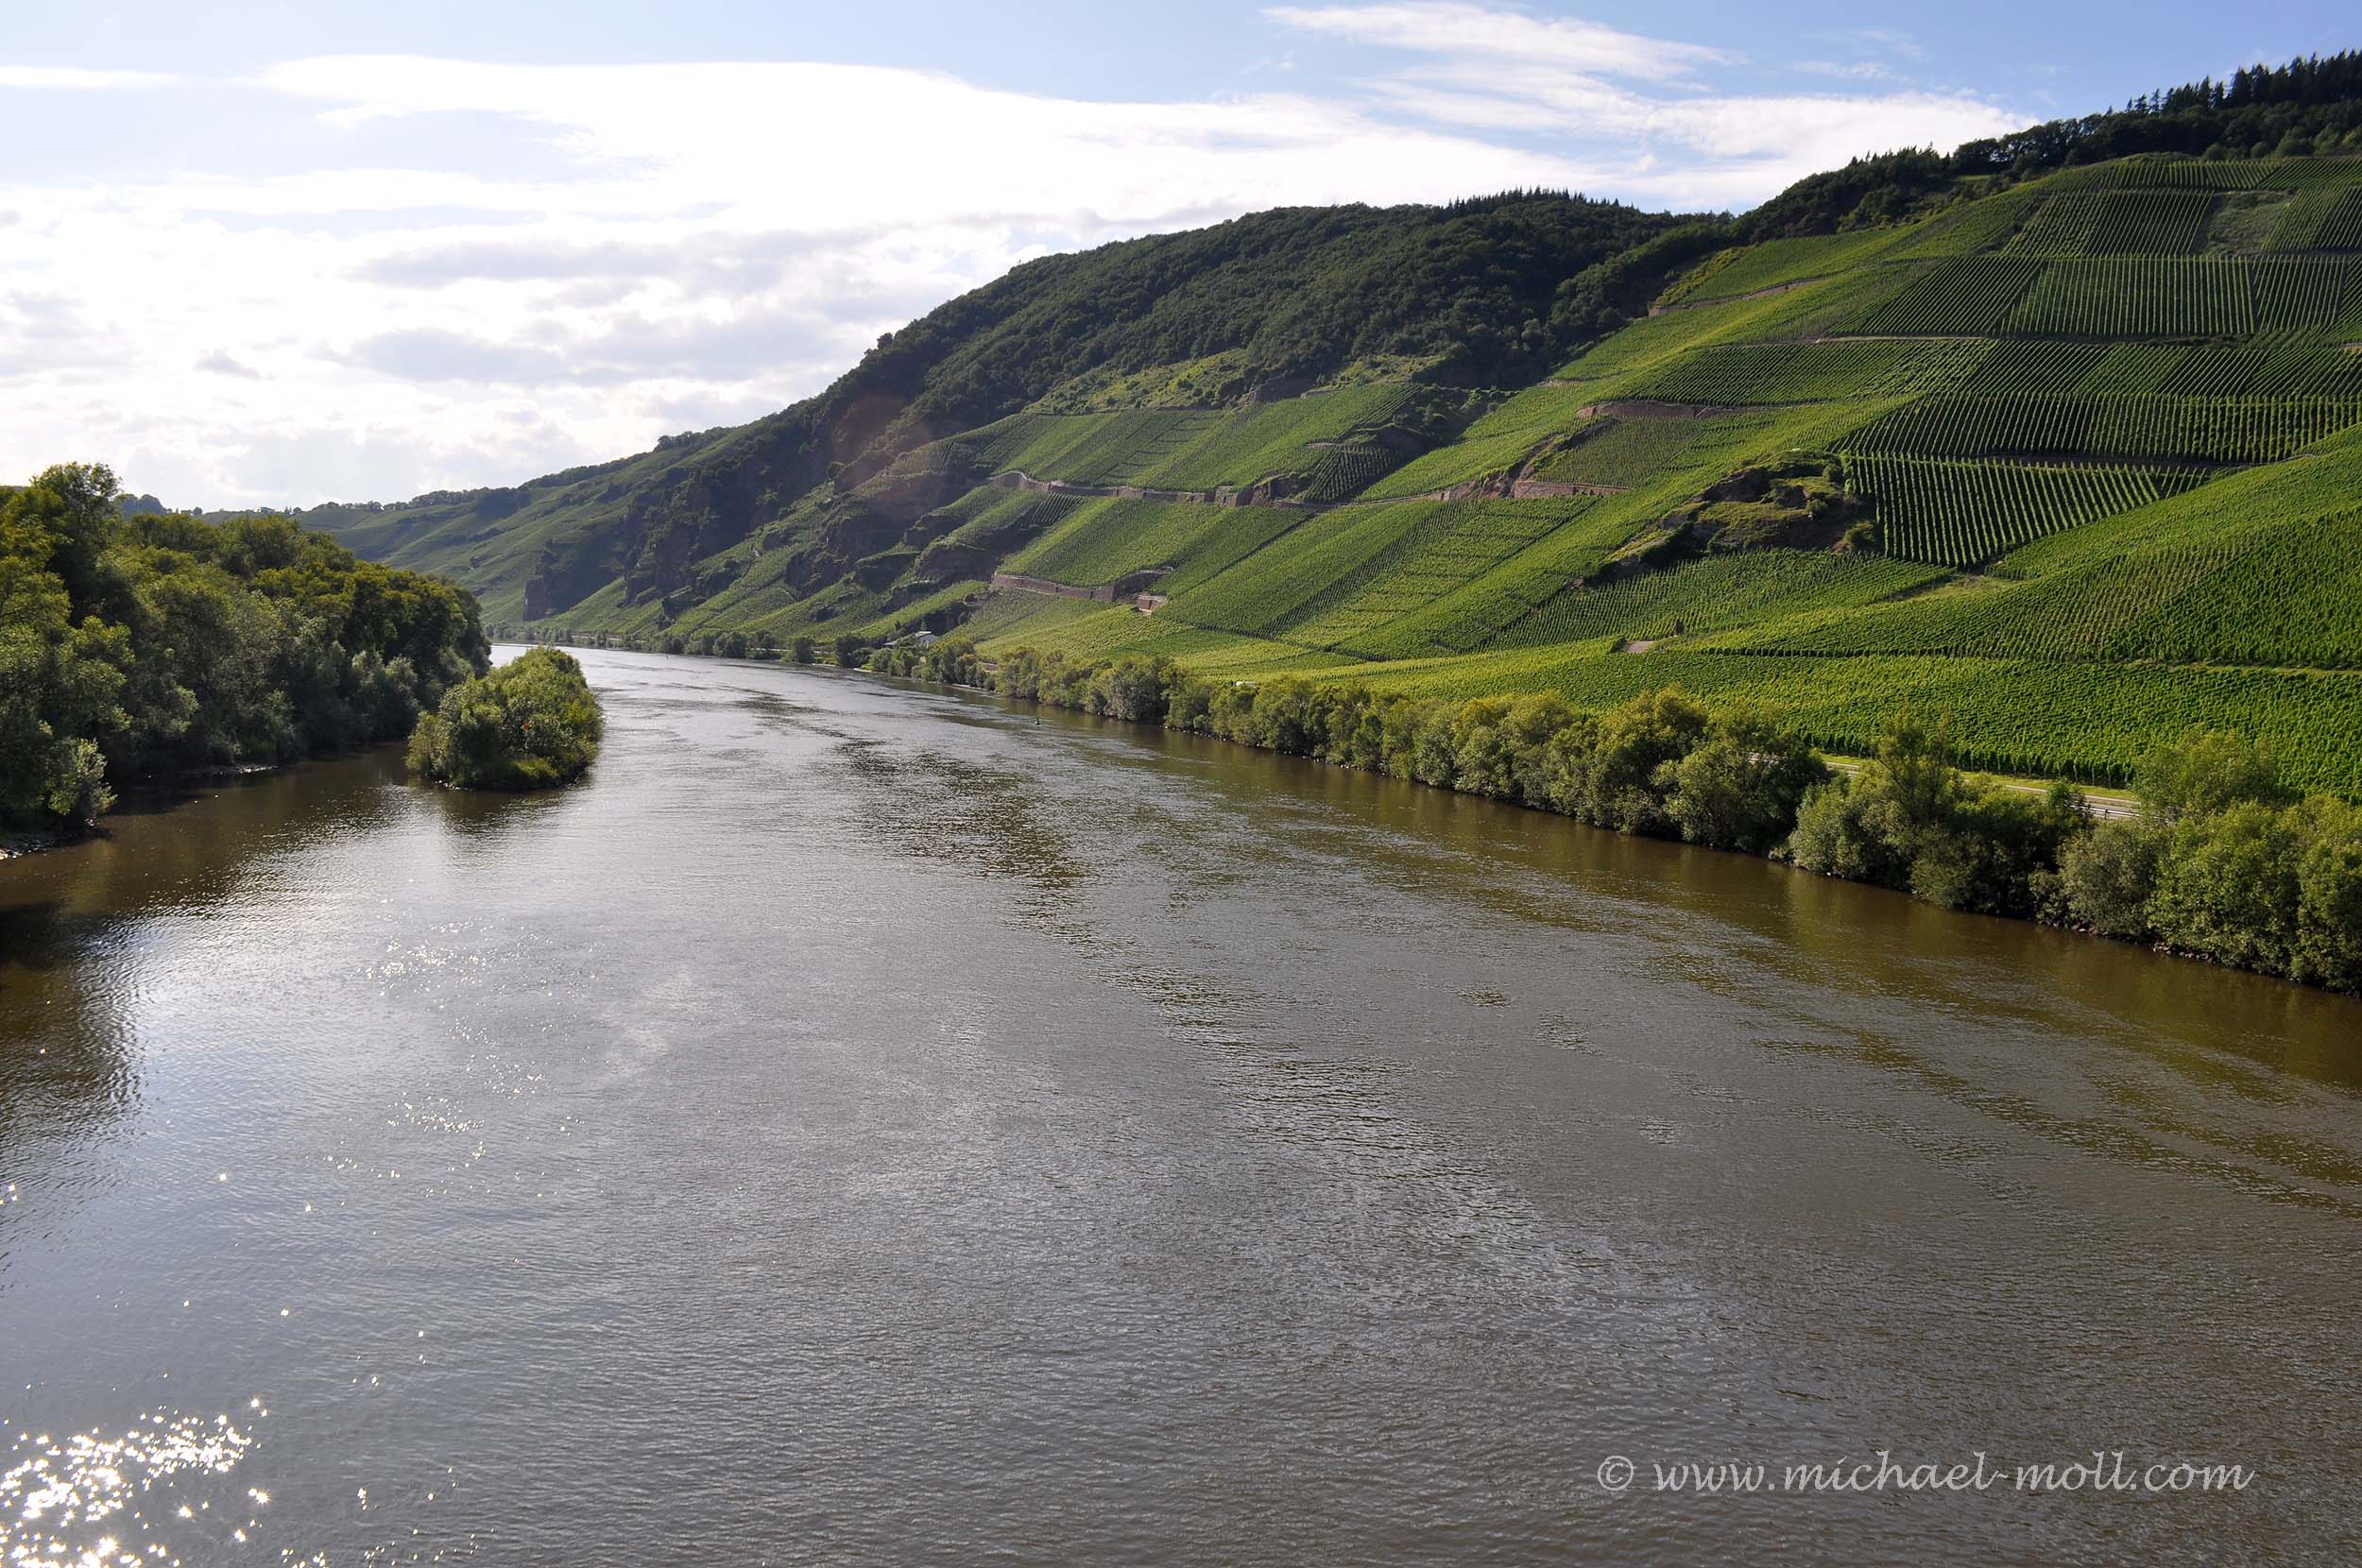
<point x="70" y="937"/>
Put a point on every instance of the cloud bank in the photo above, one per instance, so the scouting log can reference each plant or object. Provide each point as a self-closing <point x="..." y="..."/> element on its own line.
<point x="691" y="243"/>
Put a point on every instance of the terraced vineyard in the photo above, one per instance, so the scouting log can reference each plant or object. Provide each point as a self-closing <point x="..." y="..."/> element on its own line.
<point x="1967" y="514"/>
<point x="1102" y="541"/>
<point x="1194" y="449"/>
<point x="1455" y="544"/>
<point x="2074" y="458"/>
<point x="2034" y="394"/>
<point x="2190" y="430"/>
<point x="1721" y="591"/>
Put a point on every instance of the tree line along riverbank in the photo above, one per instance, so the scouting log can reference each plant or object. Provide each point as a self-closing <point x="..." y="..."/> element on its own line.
<point x="162" y="645"/>
<point x="2220" y="862"/>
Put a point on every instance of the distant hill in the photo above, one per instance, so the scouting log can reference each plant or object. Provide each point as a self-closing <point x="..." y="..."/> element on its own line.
<point x="1278" y="301"/>
<point x="2069" y="445"/>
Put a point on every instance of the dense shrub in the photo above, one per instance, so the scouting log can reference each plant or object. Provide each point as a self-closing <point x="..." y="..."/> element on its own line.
<point x="1741" y="785"/>
<point x="529" y="724"/>
<point x="2226" y="886"/>
<point x="2108" y="875"/>
<point x="2329" y="897"/>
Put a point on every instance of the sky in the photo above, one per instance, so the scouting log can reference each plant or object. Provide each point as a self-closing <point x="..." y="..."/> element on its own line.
<point x="278" y="254"/>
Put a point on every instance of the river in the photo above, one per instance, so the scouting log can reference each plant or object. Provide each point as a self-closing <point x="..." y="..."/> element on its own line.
<point x="867" y="1124"/>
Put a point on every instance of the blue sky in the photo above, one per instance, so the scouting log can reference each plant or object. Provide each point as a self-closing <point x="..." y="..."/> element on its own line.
<point x="282" y="253"/>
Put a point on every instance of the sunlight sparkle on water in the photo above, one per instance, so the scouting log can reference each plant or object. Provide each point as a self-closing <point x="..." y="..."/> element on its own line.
<point x="96" y="1501"/>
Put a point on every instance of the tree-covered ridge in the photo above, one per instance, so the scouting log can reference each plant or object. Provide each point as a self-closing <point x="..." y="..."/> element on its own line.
<point x="155" y="643"/>
<point x="2065" y="446"/>
<point x="1298" y="293"/>
<point x="2306" y="107"/>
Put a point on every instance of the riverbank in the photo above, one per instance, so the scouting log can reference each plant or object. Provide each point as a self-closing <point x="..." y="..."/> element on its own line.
<point x="14" y="846"/>
<point x="2215" y="860"/>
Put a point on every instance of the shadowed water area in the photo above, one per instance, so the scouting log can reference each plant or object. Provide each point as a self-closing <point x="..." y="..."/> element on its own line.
<point x="870" y="1125"/>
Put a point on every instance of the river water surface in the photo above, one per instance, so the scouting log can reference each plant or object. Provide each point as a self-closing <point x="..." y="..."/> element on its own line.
<point x="871" y="1125"/>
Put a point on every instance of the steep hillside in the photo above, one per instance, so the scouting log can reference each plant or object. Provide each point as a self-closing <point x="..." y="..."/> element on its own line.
<point x="2077" y="461"/>
<point x="1457" y="297"/>
<point x="2065" y="448"/>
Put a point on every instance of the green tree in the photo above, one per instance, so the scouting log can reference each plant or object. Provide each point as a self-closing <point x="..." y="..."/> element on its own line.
<point x="2227" y="886"/>
<point x="149" y="643"/>
<point x="1742" y="786"/>
<point x="2108" y="877"/>
<point x="2204" y="772"/>
<point x="530" y="724"/>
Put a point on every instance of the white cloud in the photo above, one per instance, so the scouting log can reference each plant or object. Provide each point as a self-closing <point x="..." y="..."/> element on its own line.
<point x="702" y="241"/>
<point x="73" y="79"/>
<point x="1648" y="109"/>
<point x="1449" y="27"/>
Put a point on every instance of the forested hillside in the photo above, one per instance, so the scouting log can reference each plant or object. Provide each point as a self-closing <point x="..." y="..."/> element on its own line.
<point x="2059" y="434"/>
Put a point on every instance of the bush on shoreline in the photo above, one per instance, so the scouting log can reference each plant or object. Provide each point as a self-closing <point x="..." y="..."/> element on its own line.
<point x="532" y="724"/>
<point x="2223" y="863"/>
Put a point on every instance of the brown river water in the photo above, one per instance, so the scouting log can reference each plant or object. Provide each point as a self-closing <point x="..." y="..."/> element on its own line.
<point x="866" y="1124"/>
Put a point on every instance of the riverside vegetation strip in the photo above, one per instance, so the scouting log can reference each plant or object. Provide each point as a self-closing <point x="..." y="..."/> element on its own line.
<point x="2222" y="862"/>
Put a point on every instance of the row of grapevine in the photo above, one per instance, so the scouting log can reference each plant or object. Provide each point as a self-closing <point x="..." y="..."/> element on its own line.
<point x="1626" y="453"/>
<point x="2029" y="716"/>
<point x="2015" y="294"/>
<point x="1093" y="448"/>
<point x="2340" y="228"/>
<point x="1262" y="439"/>
<point x="1189" y="449"/>
<point x="2289" y="364"/>
<point x="1329" y="557"/>
<point x="1719" y="592"/>
<point x="1459" y="543"/>
<point x="2135" y="223"/>
<point x="2326" y="217"/>
<point x="1340" y="471"/>
<point x="2138" y="297"/>
<point x="1809" y="372"/>
<point x="2246" y="174"/>
<point x="1777" y="264"/>
<point x="2297" y="293"/>
<point x="2292" y="598"/>
<point x="2071" y="615"/>
<point x="1973" y="226"/>
<point x="1964" y="514"/>
<point x="1480" y="612"/>
<point x="2189" y="430"/>
<point x="1969" y="296"/>
<point x="990" y="518"/>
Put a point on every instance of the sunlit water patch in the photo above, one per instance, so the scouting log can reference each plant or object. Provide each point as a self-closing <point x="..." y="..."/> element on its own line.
<point x="165" y="1491"/>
